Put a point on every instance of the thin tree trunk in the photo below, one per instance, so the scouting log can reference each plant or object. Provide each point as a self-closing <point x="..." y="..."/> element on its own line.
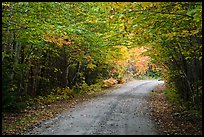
<point x="76" y="72"/>
<point x="67" y="72"/>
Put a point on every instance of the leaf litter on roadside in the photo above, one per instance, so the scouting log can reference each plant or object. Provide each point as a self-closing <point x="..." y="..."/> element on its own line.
<point x="169" y="118"/>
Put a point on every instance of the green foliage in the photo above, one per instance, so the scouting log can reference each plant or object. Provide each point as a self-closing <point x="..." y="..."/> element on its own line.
<point x="84" y="88"/>
<point x="11" y="101"/>
<point x="153" y="74"/>
<point x="173" y="97"/>
<point x="176" y="44"/>
<point x="58" y="94"/>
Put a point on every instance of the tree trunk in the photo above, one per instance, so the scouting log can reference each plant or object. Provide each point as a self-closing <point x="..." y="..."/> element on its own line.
<point x="76" y="73"/>
<point x="67" y="72"/>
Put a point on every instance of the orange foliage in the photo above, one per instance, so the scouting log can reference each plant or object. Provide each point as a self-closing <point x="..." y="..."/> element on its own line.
<point x="62" y="40"/>
<point x="114" y="70"/>
<point x="131" y="58"/>
<point x="139" y="60"/>
<point x="109" y="82"/>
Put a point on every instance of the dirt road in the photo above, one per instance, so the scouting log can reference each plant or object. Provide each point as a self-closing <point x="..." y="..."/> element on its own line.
<point x="123" y="111"/>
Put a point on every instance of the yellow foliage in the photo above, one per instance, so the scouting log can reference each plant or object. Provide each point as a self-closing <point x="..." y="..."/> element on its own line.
<point x="91" y="66"/>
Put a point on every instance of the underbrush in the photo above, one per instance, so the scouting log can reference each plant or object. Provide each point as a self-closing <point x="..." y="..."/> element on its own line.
<point x="186" y="106"/>
<point x="173" y="97"/>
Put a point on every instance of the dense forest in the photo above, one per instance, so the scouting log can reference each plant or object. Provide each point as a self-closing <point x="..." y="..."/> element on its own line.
<point x="59" y="49"/>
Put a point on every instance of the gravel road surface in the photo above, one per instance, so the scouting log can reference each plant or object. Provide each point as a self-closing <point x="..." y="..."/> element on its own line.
<point x="122" y="111"/>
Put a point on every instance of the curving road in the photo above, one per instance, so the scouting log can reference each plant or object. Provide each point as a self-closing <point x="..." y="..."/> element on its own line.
<point x="123" y="111"/>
